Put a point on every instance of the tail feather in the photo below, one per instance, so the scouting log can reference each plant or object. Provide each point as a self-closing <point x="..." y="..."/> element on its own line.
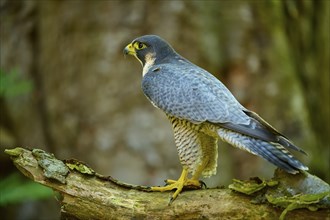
<point x="272" y="152"/>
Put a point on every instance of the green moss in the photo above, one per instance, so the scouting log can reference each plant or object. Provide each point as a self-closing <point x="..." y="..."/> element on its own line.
<point x="251" y="186"/>
<point x="79" y="166"/>
<point x="310" y="201"/>
<point x="14" y="152"/>
<point x="287" y="191"/>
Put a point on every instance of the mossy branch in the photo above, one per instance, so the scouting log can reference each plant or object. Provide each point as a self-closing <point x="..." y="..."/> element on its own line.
<point x="88" y="195"/>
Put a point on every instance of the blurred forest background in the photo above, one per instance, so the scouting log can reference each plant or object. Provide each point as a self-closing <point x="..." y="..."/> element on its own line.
<point x="67" y="88"/>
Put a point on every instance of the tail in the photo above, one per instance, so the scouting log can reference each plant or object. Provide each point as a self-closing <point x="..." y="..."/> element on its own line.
<point x="272" y="152"/>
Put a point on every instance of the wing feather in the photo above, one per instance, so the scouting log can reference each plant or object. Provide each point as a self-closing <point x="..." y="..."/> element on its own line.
<point x="259" y="128"/>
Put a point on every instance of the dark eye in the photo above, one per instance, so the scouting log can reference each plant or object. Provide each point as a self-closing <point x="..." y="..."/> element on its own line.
<point x="140" y="45"/>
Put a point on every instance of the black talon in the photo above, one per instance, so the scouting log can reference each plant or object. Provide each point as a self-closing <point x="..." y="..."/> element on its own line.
<point x="171" y="200"/>
<point x="203" y="184"/>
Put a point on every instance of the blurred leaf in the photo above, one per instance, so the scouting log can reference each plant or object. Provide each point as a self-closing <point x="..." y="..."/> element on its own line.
<point x="12" y="85"/>
<point x="15" y="189"/>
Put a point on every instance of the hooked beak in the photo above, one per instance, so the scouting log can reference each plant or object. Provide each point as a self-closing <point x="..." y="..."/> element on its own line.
<point x="129" y="49"/>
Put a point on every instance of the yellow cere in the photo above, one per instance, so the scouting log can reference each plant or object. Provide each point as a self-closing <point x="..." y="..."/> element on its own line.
<point x="130" y="49"/>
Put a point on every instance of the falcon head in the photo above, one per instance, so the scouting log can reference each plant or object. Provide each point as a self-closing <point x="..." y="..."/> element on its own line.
<point x="149" y="50"/>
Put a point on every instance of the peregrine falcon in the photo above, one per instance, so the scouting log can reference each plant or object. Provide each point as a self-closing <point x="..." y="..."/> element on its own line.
<point x="202" y="110"/>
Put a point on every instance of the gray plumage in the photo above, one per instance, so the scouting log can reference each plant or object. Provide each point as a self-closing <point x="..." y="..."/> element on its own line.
<point x="201" y="109"/>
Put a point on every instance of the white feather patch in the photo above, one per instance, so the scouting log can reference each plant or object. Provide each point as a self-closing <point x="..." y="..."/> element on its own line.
<point x="149" y="62"/>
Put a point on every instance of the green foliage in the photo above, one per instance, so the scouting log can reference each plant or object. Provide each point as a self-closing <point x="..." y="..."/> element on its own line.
<point x="12" y="85"/>
<point x="15" y="189"/>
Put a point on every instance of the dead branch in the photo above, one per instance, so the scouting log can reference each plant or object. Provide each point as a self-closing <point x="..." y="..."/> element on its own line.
<point x="88" y="195"/>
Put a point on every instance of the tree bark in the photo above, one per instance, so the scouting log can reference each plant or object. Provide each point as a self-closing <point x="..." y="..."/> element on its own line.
<point x="88" y="195"/>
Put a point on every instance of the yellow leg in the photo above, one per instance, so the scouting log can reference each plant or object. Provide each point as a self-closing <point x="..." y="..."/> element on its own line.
<point x="183" y="181"/>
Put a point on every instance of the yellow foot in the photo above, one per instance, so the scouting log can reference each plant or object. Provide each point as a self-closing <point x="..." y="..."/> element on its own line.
<point x="189" y="184"/>
<point x="182" y="182"/>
